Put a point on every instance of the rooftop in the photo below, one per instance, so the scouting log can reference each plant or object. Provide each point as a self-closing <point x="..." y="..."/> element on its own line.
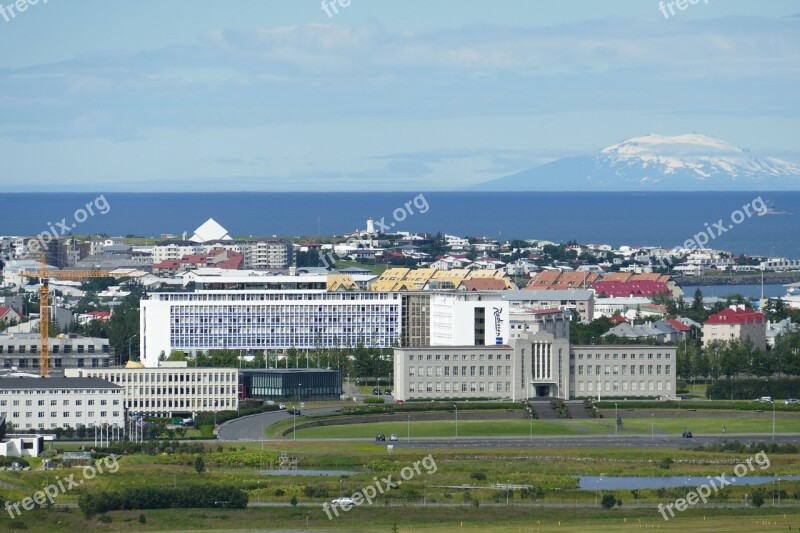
<point x="18" y="383"/>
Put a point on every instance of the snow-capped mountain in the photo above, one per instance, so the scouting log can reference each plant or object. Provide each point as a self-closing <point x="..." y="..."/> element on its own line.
<point x="657" y="162"/>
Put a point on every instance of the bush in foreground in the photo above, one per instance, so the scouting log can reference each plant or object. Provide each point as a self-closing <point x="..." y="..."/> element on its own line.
<point x="187" y="497"/>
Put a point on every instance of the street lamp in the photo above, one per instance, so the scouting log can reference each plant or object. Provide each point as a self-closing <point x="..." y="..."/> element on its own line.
<point x="129" y="348"/>
<point x="652" y="427"/>
<point x="773" y="421"/>
<point x="454" y="405"/>
<point x="616" y="421"/>
<point x="294" y="423"/>
<point x="408" y="432"/>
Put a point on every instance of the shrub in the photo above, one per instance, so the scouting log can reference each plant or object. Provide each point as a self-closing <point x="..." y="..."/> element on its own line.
<point x="293" y="501"/>
<point x="480" y="476"/>
<point x="184" y="497"/>
<point x="105" y="519"/>
<point x="374" y="400"/>
<point x="666" y="463"/>
<point x="142" y="519"/>
<point x="279" y="492"/>
<point x="199" y="464"/>
<point x="608" y="501"/>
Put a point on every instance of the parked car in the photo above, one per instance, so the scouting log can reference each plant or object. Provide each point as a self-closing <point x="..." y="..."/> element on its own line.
<point x="765" y="399"/>
<point x="282" y="406"/>
<point x="294" y="412"/>
<point x="393" y="436"/>
<point x="344" y="500"/>
<point x="380" y="437"/>
<point x="790" y="401"/>
<point x="687" y="435"/>
<point x="388" y="392"/>
<point x="376" y="392"/>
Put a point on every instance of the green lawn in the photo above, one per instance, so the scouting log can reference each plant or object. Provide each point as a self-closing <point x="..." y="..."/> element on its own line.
<point x="514" y="427"/>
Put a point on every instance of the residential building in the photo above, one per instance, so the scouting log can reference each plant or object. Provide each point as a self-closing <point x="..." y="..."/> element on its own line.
<point x="776" y="329"/>
<point x="8" y="315"/>
<point x="57" y="402"/>
<point x="580" y="301"/>
<point x="736" y="323"/>
<point x="21" y="351"/>
<point x="172" y="389"/>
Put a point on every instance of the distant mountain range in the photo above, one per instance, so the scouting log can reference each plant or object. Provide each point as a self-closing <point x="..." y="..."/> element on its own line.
<point x="688" y="162"/>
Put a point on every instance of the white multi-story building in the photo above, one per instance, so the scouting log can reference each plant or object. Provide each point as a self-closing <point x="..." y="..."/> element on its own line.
<point x="295" y="312"/>
<point x="47" y="403"/>
<point x="267" y="254"/>
<point x="468" y="319"/>
<point x="171" y="390"/>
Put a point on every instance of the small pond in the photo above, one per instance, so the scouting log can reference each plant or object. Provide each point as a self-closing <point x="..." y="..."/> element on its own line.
<point x="659" y="482"/>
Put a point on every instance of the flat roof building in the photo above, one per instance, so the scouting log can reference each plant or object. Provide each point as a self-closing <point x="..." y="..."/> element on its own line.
<point x="56" y="402"/>
<point x="291" y="383"/>
<point x="171" y="390"/>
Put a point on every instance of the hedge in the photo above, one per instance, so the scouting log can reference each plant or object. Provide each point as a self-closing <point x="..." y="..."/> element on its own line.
<point x="140" y="498"/>
<point x="751" y="389"/>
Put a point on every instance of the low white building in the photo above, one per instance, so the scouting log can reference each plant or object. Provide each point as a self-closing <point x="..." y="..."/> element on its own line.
<point x="171" y="389"/>
<point x="48" y="403"/>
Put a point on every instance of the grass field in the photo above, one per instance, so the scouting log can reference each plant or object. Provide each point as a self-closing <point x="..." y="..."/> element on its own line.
<point x="562" y="507"/>
<point x="520" y="427"/>
<point x="499" y="519"/>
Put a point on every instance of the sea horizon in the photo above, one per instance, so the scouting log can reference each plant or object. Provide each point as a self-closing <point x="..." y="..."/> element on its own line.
<point x="666" y="219"/>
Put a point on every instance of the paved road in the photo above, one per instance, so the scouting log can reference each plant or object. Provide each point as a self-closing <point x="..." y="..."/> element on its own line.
<point x="249" y="428"/>
<point x="591" y="441"/>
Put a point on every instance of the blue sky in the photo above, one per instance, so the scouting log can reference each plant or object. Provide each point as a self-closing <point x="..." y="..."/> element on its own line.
<point x="385" y="95"/>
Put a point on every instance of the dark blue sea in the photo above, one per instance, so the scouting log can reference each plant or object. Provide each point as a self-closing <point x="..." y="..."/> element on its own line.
<point x="664" y="219"/>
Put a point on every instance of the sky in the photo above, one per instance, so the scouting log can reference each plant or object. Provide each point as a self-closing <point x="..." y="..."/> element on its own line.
<point x="378" y="95"/>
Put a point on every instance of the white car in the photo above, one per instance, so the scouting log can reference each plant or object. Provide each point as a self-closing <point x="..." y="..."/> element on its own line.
<point x="393" y="436"/>
<point x="282" y="406"/>
<point x="344" y="500"/>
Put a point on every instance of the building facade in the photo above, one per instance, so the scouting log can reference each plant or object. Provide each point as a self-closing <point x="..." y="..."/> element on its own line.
<point x="623" y="371"/>
<point x="736" y="323"/>
<point x="534" y="366"/>
<point x="169" y="391"/>
<point x="266" y="320"/>
<point x="468" y="319"/>
<point x="292" y="383"/>
<point x="48" y="403"/>
<point x="21" y="351"/>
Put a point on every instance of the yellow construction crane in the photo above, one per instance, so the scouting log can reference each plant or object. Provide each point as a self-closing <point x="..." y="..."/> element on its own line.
<point x="44" y="305"/>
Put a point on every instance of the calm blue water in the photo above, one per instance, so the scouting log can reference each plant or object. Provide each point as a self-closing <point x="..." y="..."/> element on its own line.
<point x="665" y="219"/>
<point x="654" y="482"/>
<point x="721" y="291"/>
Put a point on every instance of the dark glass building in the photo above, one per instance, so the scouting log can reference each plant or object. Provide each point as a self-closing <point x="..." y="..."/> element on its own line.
<point x="300" y="383"/>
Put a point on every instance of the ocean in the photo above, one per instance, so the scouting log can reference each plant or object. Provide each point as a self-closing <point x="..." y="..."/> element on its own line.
<point x="749" y="291"/>
<point x="657" y="219"/>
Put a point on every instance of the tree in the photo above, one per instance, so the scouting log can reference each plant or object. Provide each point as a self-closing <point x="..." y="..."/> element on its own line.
<point x="293" y="501"/>
<point x="608" y="501"/>
<point x="757" y="498"/>
<point x="199" y="464"/>
<point x="697" y="302"/>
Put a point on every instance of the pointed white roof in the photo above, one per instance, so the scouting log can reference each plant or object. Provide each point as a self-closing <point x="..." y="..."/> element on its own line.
<point x="210" y="231"/>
